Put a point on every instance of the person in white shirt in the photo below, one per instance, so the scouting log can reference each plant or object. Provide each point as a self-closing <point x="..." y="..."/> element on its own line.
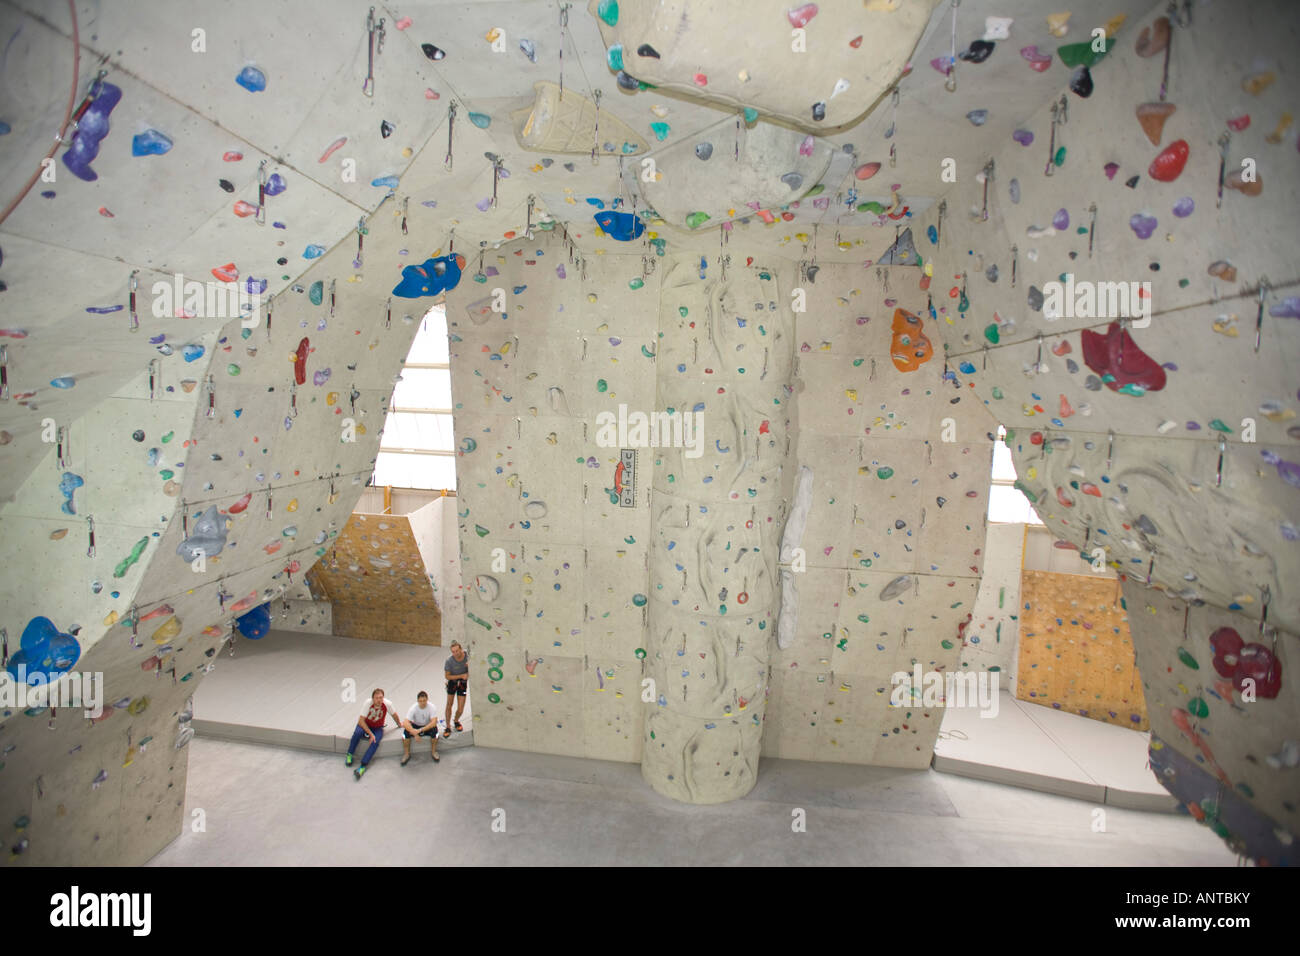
<point x="420" y="721"/>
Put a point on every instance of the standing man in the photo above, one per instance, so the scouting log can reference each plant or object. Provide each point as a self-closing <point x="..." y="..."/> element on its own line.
<point x="456" y="670"/>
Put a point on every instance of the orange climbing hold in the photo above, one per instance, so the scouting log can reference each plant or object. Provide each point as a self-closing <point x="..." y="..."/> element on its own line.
<point x="909" y="348"/>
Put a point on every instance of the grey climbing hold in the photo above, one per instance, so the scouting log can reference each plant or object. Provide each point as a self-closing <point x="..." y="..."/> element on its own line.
<point x="819" y="111"/>
<point x="793" y="180"/>
<point x="1072" y="366"/>
<point x="896" y="587"/>
<point x="528" y="49"/>
<point x="703" y="150"/>
<point x="1092" y="383"/>
<point x="645" y="49"/>
<point x="978" y="117"/>
<point x="991" y="273"/>
<point x="1013" y="188"/>
<point x="901" y="253"/>
<point x="1145" y="525"/>
<point x="627" y="82"/>
<point x="1036" y="298"/>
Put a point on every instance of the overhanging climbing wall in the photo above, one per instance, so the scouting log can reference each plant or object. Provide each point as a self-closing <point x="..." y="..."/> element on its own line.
<point x="376" y="580"/>
<point x="1170" y="446"/>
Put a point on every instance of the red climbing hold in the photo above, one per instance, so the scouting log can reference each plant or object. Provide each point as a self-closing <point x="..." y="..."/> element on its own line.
<point x="1117" y="357"/>
<point x="226" y="273"/>
<point x="856" y="41"/>
<point x="300" y="362"/>
<point x="1168" y="166"/>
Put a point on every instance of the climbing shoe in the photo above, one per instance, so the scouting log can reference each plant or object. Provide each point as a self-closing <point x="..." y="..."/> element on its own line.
<point x="358" y="772"/>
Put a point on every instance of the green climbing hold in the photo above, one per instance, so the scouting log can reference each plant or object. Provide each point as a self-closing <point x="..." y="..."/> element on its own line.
<point x="1024" y="490"/>
<point x="696" y="219"/>
<point x="1059" y="158"/>
<point x="495" y="674"/>
<point x="317" y="292"/>
<point x="1198" y="708"/>
<point x="873" y="206"/>
<point x="963" y="304"/>
<point x="991" y="333"/>
<point x="1081" y="54"/>
<point x="614" y="57"/>
<point x="815" y="191"/>
<point x="166" y="474"/>
<point x="602" y="385"/>
<point x="639" y="599"/>
<point x="1188" y="659"/>
<point x="607" y="10"/>
<point x="884" y="472"/>
<point x="481" y="120"/>
<point x="124" y="565"/>
<point x="660" y="130"/>
<point x="646" y="352"/>
<point x="683" y="311"/>
<point x="232" y="369"/>
<point x="494" y="698"/>
<point x="168" y="437"/>
<point x="997" y="392"/>
<point x="480" y="531"/>
<point x="659" y="245"/>
<point x="635" y="284"/>
<point x="495" y="659"/>
<point x="751" y="115"/>
<point x="1218" y="426"/>
<point x="640" y="653"/>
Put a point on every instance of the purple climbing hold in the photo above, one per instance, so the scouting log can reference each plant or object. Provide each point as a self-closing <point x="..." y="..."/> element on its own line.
<point x="1288" y="308"/>
<point x="1023" y="136"/>
<point x="1288" y="471"/>
<point x="1143" y="225"/>
<point x="1183" y="208"/>
<point x="276" y="185"/>
<point x="91" y="128"/>
<point x="1061" y="221"/>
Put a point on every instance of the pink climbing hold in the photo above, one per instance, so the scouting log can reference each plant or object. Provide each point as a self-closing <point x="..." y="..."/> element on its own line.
<point x="333" y="147"/>
<point x="430" y="94"/>
<point x="800" y="16"/>
<point x="806" y="147"/>
<point x="1238" y="123"/>
<point x="1038" y="62"/>
<point x="403" y="23"/>
<point x="1111" y="170"/>
<point x="231" y="157"/>
<point x="701" y="79"/>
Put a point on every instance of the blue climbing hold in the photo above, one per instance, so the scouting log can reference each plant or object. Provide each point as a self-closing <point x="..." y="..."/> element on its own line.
<point x="433" y="277"/>
<point x="623" y="226"/>
<point x="150" y="143"/>
<point x="251" y="79"/>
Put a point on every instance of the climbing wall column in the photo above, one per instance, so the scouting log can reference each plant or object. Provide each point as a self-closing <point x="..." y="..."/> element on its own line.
<point x="726" y="356"/>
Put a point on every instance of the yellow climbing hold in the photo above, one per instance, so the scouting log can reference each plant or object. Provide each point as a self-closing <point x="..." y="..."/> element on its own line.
<point x="169" y="629"/>
<point x="1114" y="23"/>
<point x="292" y="505"/>
<point x="1057" y="24"/>
<point x="111" y="619"/>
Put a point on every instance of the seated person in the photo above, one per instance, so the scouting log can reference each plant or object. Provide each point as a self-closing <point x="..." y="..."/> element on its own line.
<point x="420" y="721"/>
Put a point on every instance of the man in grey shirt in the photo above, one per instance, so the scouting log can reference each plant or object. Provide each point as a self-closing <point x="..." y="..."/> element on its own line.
<point x="456" y="670"/>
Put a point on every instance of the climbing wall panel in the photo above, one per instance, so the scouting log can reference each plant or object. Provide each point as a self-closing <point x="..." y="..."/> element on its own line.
<point x="1169" y="444"/>
<point x="1076" y="654"/>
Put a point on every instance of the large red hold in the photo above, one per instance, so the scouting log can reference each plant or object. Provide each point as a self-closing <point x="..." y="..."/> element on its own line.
<point x="1115" y="354"/>
<point x="300" y="362"/>
<point x="1168" y="165"/>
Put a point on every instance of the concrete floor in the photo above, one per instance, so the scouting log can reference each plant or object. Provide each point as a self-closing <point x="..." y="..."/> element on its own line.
<point x="276" y="806"/>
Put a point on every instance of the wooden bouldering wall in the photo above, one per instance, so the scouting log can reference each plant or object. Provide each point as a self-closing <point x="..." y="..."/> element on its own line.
<point x="1076" y="654"/>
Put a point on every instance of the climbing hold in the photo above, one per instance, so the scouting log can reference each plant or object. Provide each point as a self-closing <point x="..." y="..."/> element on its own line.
<point x="1247" y="187"/>
<point x="1153" y="39"/>
<point x="528" y="49"/>
<point x="91" y="128"/>
<point x="623" y="226"/>
<point x="696" y="219"/>
<point x="1013" y="190"/>
<point x="660" y="130"/>
<point x="1142" y="225"/>
<point x="977" y="52"/>
<point x="645" y="49"/>
<point x="1256" y="83"/>
<point x="150" y="143"/>
<point x="1116" y="357"/>
<point x="866" y="170"/>
<point x="432" y="52"/>
<point x="627" y="82"/>
<point x="819" y="111"/>
<point x="1061" y="221"/>
<point x="614" y="57"/>
<point x="1168" y="165"/>
<point x="1222" y="269"/>
<point x="793" y="180"/>
<point x="481" y="120"/>
<point x="317" y="292"/>
<point x="607" y="10"/>
<point x="1081" y="83"/>
<point x="800" y="16"/>
<point x="1152" y="116"/>
<point x="1037" y="61"/>
<point x="251" y="79"/>
<point x="978" y="117"/>
<point x="385" y="129"/>
<point x="1184" y="207"/>
<point x="1023" y="136"/>
<point x="703" y="150"/>
<point x="909" y="347"/>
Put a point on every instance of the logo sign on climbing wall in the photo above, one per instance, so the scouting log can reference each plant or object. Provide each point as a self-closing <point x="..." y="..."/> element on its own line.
<point x="625" y="478"/>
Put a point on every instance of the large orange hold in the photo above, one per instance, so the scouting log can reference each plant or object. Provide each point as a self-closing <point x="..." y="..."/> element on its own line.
<point x="909" y="348"/>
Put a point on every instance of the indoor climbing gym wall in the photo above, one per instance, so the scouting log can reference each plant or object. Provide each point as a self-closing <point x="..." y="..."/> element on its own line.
<point x="1157" y="433"/>
<point x="1076" y="654"/>
<point x="847" y="242"/>
<point x="993" y="636"/>
<point x="375" y="579"/>
<point x="892" y="491"/>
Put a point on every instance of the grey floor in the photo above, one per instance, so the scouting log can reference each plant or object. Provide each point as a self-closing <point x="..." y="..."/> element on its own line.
<point x="267" y="805"/>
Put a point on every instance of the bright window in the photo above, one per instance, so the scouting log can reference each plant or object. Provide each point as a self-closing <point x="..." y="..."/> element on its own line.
<point x="418" y="447"/>
<point x="1007" y="505"/>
